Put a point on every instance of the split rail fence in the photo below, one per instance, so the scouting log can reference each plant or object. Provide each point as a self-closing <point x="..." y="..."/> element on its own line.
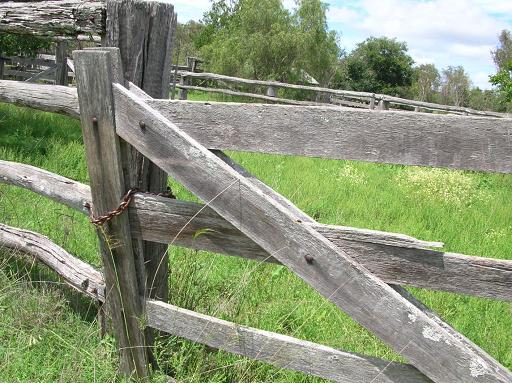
<point x="364" y="100"/>
<point x="360" y="271"/>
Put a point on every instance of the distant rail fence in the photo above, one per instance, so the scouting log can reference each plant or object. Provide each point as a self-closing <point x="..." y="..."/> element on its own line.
<point x="335" y="96"/>
<point x="55" y="69"/>
<point x="360" y="271"/>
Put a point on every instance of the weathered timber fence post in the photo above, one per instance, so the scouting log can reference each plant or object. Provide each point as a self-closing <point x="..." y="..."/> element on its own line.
<point x="271" y="91"/>
<point x="2" y="62"/>
<point x="94" y="83"/>
<point x="383" y="105"/>
<point x="372" y="102"/>
<point x="61" y="60"/>
<point x="144" y="32"/>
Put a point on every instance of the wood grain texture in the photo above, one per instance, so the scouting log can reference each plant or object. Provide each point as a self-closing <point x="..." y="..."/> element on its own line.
<point x="60" y="189"/>
<point x="340" y="92"/>
<point x="279" y="350"/>
<point x="144" y="33"/>
<point x="395" y="258"/>
<point x="304" y="356"/>
<point x="330" y="270"/>
<point x="94" y="84"/>
<point x="61" y="61"/>
<point x="78" y="274"/>
<point x="49" y="98"/>
<point x="230" y="92"/>
<point x="52" y="18"/>
<point x="408" y="138"/>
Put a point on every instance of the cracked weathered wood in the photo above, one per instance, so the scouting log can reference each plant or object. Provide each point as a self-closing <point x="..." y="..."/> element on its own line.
<point x="396" y="258"/>
<point x="473" y="143"/>
<point x="407" y="138"/>
<point x="48" y="98"/>
<point x="230" y="92"/>
<point x="94" y="83"/>
<point x="61" y="61"/>
<point x="341" y="92"/>
<point x="78" y="274"/>
<point x="144" y="32"/>
<point x="279" y="350"/>
<point x="53" y="18"/>
<point x="327" y="268"/>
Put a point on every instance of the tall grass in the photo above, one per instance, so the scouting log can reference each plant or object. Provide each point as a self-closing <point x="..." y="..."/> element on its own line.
<point x="470" y="212"/>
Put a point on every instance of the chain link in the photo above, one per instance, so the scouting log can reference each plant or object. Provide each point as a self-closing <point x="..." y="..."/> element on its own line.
<point x="125" y="202"/>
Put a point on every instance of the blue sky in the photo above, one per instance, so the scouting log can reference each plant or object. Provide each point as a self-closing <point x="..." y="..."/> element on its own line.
<point x="443" y="32"/>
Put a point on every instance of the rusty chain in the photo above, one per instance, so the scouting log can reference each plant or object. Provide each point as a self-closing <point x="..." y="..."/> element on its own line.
<point x="125" y="202"/>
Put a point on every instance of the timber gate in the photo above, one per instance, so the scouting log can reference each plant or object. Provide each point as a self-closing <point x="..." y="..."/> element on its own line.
<point x="360" y="271"/>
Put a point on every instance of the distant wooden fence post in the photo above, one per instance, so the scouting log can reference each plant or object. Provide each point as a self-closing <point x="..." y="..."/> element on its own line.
<point x="271" y="91"/>
<point x="153" y="43"/>
<point x="383" y="105"/>
<point x="2" y="62"/>
<point x="61" y="60"/>
<point x="372" y="101"/>
<point x="94" y="83"/>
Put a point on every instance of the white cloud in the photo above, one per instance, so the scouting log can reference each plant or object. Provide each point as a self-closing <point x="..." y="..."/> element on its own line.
<point x="445" y="32"/>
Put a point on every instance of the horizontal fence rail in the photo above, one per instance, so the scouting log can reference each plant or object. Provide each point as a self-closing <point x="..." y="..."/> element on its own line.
<point x="57" y="18"/>
<point x="367" y="96"/>
<point x="276" y="349"/>
<point x="461" y="142"/>
<point x="396" y="258"/>
<point x="391" y="315"/>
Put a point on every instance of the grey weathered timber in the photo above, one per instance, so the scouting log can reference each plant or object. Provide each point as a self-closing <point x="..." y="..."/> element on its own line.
<point x="94" y="84"/>
<point x="395" y="258"/>
<point x="352" y="104"/>
<point x="61" y="60"/>
<point x="230" y="92"/>
<point x="52" y="18"/>
<point x="383" y="105"/>
<point x="278" y="350"/>
<point x="60" y="189"/>
<point x="327" y="268"/>
<point x="40" y="75"/>
<point x="78" y="274"/>
<point x="407" y="138"/>
<point x="50" y="98"/>
<point x="301" y="355"/>
<point x="473" y="143"/>
<point x="40" y="61"/>
<point x="144" y="32"/>
<point x="340" y="92"/>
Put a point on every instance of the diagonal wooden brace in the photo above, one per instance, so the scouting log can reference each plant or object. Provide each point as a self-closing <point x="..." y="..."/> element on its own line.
<point x="433" y="348"/>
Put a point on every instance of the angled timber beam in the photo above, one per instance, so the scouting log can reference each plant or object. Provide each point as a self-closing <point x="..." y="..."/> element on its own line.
<point x="440" y="354"/>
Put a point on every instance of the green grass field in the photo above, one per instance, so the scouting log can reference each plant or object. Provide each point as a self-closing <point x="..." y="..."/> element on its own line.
<point x="48" y="334"/>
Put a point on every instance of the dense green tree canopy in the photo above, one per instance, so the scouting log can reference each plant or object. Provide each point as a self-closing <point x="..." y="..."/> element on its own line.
<point x="18" y="45"/>
<point x="380" y="65"/>
<point x="456" y="86"/>
<point x="426" y="82"/>
<point x="261" y="39"/>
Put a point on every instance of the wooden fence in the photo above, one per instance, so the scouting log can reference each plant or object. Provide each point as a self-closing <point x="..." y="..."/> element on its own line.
<point x="57" y="69"/>
<point x="358" y="270"/>
<point x="335" y="96"/>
